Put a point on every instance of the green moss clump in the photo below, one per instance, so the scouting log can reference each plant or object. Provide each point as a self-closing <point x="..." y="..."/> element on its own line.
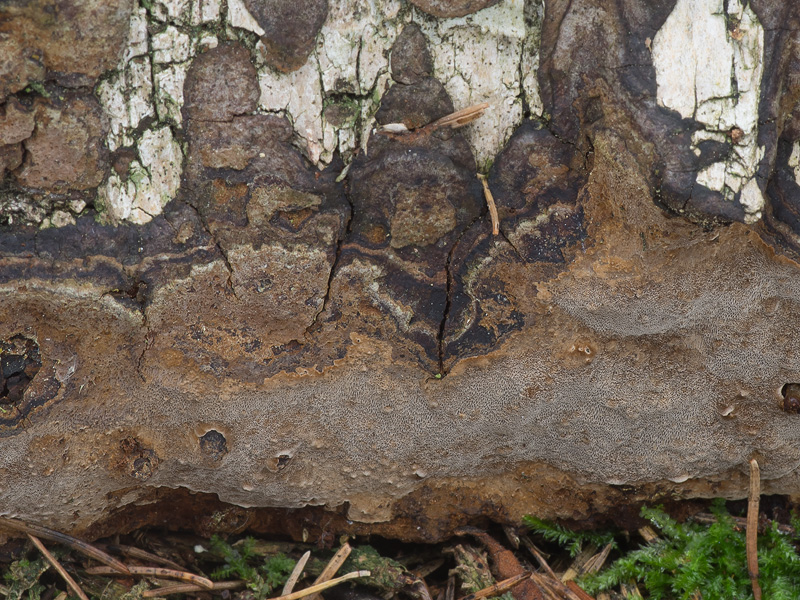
<point x="573" y="541"/>
<point x="709" y="560"/>
<point x="387" y="575"/>
<point x="22" y="579"/>
<point x="261" y="579"/>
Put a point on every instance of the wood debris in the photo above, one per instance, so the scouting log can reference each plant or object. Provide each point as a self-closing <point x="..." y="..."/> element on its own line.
<point x="498" y="588"/>
<point x="296" y="572"/>
<point x="487" y="193"/>
<point x="333" y="565"/>
<point x="454" y="120"/>
<point x="752" y="527"/>
<point x="188" y="588"/>
<point x="506" y="564"/>
<point x="315" y="589"/>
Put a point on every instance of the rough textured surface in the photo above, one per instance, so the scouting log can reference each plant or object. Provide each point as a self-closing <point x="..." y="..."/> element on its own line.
<point x="63" y="154"/>
<point x="221" y="84"/>
<point x="289" y="29"/>
<point x="411" y="60"/>
<point x="222" y="290"/>
<point x="449" y="8"/>
<point x="72" y="43"/>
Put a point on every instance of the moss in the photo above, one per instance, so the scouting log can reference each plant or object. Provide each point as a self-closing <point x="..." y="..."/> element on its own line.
<point x="694" y="560"/>
<point x="22" y="579"/>
<point x="573" y="541"/>
<point x="387" y="575"/>
<point x="38" y="88"/>
<point x="262" y="579"/>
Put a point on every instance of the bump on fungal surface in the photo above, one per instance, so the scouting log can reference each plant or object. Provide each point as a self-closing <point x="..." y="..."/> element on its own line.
<point x="135" y="459"/>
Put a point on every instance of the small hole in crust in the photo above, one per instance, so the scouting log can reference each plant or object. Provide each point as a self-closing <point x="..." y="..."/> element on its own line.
<point x="791" y="398"/>
<point x="214" y="445"/>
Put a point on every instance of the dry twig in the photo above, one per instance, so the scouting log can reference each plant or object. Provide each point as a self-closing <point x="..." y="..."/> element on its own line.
<point x="526" y="541"/>
<point x="419" y="589"/>
<point x="579" y="563"/>
<point x="546" y="588"/>
<point x="450" y="593"/>
<point x="57" y="566"/>
<point x="188" y="588"/>
<point x="506" y="564"/>
<point x="67" y="540"/>
<point x="542" y="562"/>
<point x="423" y="571"/>
<point x="630" y="590"/>
<point x="596" y="562"/>
<point x="554" y="587"/>
<point x="498" y="588"/>
<point x="554" y="581"/>
<point x="751" y="536"/>
<point x="487" y="193"/>
<point x="158" y="572"/>
<point x="333" y="565"/>
<point x="511" y="535"/>
<point x="296" y="572"/>
<point x="315" y="589"/>
<point x="649" y="534"/>
<point x="578" y="591"/>
<point x="740" y="523"/>
<point x="461" y="117"/>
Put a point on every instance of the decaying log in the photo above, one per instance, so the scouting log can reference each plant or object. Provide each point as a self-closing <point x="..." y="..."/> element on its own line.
<point x="203" y="316"/>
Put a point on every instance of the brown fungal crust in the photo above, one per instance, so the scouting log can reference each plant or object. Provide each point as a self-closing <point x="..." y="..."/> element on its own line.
<point x="411" y="59"/>
<point x="284" y="336"/>
<point x="290" y="29"/>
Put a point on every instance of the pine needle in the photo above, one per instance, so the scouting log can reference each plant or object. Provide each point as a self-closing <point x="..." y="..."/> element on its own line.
<point x="498" y="588"/>
<point x="57" y="566"/>
<point x="67" y="540"/>
<point x="158" y="572"/>
<point x="134" y="552"/>
<point x="188" y="588"/>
